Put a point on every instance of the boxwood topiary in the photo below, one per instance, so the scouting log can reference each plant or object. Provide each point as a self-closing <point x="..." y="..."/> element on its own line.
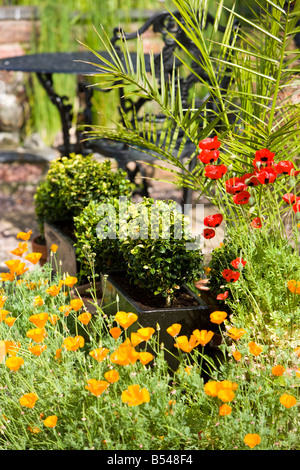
<point x="71" y="183"/>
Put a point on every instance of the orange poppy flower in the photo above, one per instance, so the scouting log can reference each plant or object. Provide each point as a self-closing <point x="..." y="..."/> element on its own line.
<point x="53" y="290"/>
<point x="236" y="333"/>
<point x="24" y="235"/>
<point x="125" y="354"/>
<point x="3" y="314"/>
<point x="73" y="343"/>
<point x="38" y="301"/>
<point x="134" y="395"/>
<point x="278" y="370"/>
<point x="85" y="318"/>
<point x="37" y="349"/>
<point x="125" y="319"/>
<point x="97" y="387"/>
<point x="39" y="319"/>
<point x="203" y="337"/>
<point x="53" y="319"/>
<point x="37" y="334"/>
<point x="294" y="286"/>
<point x="76" y="304"/>
<point x="21" y="249"/>
<point x="70" y="281"/>
<point x="99" y="354"/>
<point x="57" y="354"/>
<point x="28" y="400"/>
<point x="225" y="410"/>
<point x="174" y="329"/>
<point x="115" y="332"/>
<point x="53" y="248"/>
<point x="185" y="344"/>
<point x="287" y="400"/>
<point x="237" y="355"/>
<point x="226" y="394"/>
<point x="112" y="376"/>
<point x="16" y="266"/>
<point x="50" y="422"/>
<point x="145" y="357"/>
<point x="254" y="348"/>
<point x="10" y="321"/>
<point x="34" y="430"/>
<point x="14" y="363"/>
<point x="7" y="277"/>
<point x="66" y="309"/>
<point x="252" y="440"/>
<point x="3" y="299"/>
<point x="33" y="258"/>
<point x="218" y="317"/>
<point x="212" y="388"/>
<point x="12" y="347"/>
<point x="143" y="334"/>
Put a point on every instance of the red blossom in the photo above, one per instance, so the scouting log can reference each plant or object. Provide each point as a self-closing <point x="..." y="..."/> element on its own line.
<point x="241" y="198"/>
<point x="210" y="143"/>
<point x="215" y="172"/>
<point x="222" y="296"/>
<point x="209" y="156"/>
<point x="249" y="179"/>
<point x="213" y="220"/>
<point x="236" y="262"/>
<point x="208" y="233"/>
<point x="289" y="198"/>
<point x="284" y="167"/>
<point x="231" y="276"/>
<point x="256" y="222"/>
<point x="267" y="175"/>
<point x="296" y="206"/>
<point x="263" y="157"/>
<point x="234" y="185"/>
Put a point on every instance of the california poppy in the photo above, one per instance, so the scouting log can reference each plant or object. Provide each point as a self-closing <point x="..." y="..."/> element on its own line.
<point x="252" y="440"/>
<point x="203" y="336"/>
<point x="97" y="387"/>
<point x="208" y="233"/>
<point x="145" y="357"/>
<point x="278" y="370"/>
<point x="10" y="321"/>
<point x="218" y="317"/>
<point x="174" y="329"/>
<point x="231" y="276"/>
<point x="73" y="343"/>
<point x="125" y="319"/>
<point x="254" y="348"/>
<point x="3" y="299"/>
<point x="99" y="354"/>
<point x="33" y="257"/>
<point x="112" y="376"/>
<point x="241" y="198"/>
<point x="226" y="394"/>
<point x="215" y="172"/>
<point x="21" y="249"/>
<point x="115" y="332"/>
<point x="24" y="235"/>
<point x="225" y="410"/>
<point x="234" y="185"/>
<point x="125" y="354"/>
<point x="54" y="290"/>
<point x="70" y="281"/>
<point x="185" y="344"/>
<point x="14" y="363"/>
<point x="263" y="157"/>
<point x="236" y="333"/>
<point x="76" y="304"/>
<point x="85" y="318"/>
<point x="213" y="220"/>
<point x="287" y="400"/>
<point x="37" y="349"/>
<point x="134" y="395"/>
<point x="210" y="143"/>
<point x="237" y="355"/>
<point x="37" y="334"/>
<point x="53" y="248"/>
<point x="39" y="319"/>
<point x="50" y="421"/>
<point x="28" y="400"/>
<point x="3" y="314"/>
<point x="266" y="175"/>
<point x="294" y="286"/>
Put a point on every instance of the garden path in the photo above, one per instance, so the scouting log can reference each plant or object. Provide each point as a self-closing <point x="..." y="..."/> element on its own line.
<point x="18" y="182"/>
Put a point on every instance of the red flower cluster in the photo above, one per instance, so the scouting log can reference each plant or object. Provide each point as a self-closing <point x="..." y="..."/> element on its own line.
<point x="211" y="221"/>
<point x="209" y="154"/>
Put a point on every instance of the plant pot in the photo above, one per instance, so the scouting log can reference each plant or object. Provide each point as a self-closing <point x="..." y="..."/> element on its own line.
<point x="190" y="317"/>
<point x="81" y="292"/>
<point x="65" y="258"/>
<point x="39" y="245"/>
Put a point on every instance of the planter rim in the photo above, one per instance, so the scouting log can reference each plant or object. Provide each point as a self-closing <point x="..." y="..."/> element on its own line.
<point x="202" y="305"/>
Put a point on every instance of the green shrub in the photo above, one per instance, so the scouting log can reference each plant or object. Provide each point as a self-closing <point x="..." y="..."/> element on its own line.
<point x="71" y="183"/>
<point x="156" y="248"/>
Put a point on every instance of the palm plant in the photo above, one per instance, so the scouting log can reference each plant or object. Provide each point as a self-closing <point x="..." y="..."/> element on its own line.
<point x="249" y="77"/>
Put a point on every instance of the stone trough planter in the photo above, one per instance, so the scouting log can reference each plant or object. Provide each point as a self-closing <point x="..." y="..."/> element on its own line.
<point x="65" y="258"/>
<point x="191" y="317"/>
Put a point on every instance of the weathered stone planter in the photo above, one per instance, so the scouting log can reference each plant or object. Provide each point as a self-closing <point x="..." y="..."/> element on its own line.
<point x="65" y="258"/>
<point x="197" y="316"/>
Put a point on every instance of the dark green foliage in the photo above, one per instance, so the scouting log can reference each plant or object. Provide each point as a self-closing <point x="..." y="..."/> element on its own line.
<point x="72" y="183"/>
